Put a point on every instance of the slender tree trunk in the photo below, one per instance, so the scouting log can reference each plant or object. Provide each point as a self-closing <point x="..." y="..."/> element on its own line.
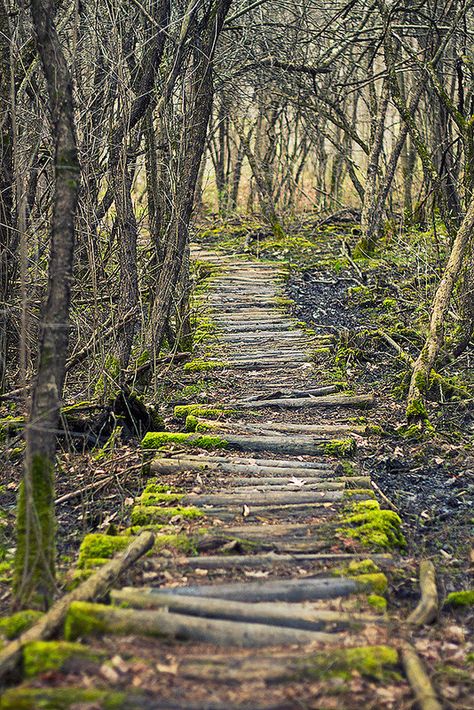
<point x="421" y="375"/>
<point x="6" y="190"/>
<point x="35" y="554"/>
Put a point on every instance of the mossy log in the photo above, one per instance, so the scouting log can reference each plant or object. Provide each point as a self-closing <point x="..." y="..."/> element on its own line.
<point x="419" y="681"/>
<point x="427" y="609"/>
<point x="311" y="483"/>
<point x="270" y="559"/>
<point x="258" y="467"/>
<point x="376" y="662"/>
<point x="363" y="401"/>
<point x="85" y="619"/>
<point x="298" y="445"/>
<point x="297" y="616"/>
<point x="93" y="588"/>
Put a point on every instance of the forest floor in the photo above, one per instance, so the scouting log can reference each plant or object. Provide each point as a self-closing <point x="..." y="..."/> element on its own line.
<point x="427" y="477"/>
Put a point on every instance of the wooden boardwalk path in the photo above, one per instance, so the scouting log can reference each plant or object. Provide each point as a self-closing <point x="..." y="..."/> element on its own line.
<point x="280" y="594"/>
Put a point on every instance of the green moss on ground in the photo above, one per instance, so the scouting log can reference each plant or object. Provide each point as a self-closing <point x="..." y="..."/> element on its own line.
<point x="374" y="582"/>
<point x="150" y="498"/>
<point x="100" y="547"/>
<point x="151" y="514"/>
<point x="460" y="599"/>
<point x="182" y="411"/>
<point x="60" y="699"/>
<point x="155" y="440"/>
<point x="12" y="626"/>
<point x="376" y="662"/>
<point x="42" y="656"/>
<point x="377" y="602"/>
<point x="373" y="527"/>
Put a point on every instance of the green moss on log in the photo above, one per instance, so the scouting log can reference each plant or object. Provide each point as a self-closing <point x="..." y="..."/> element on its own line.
<point x="152" y="514"/>
<point x="97" y="546"/>
<point x="376" y="662"/>
<point x="42" y="656"/>
<point x="359" y="493"/>
<point x="374" y="582"/>
<point x="339" y="447"/>
<point x="204" y="365"/>
<point x="155" y="440"/>
<point x="12" y="626"/>
<point x="373" y="527"/>
<point x="60" y="699"/>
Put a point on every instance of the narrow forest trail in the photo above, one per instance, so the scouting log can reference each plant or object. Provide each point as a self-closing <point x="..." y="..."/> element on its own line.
<point x="283" y="556"/>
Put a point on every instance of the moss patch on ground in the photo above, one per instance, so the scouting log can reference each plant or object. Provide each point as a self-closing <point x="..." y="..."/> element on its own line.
<point x="12" y="626"/>
<point x="373" y="527"/>
<point x="460" y="599"/>
<point x="182" y="411"/>
<point x="377" y="602"/>
<point x="42" y="656"/>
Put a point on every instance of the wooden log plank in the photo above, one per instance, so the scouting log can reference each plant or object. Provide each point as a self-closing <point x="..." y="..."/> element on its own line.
<point x="287" y="590"/>
<point x="365" y="400"/>
<point x="189" y="628"/>
<point x="272" y="559"/>
<point x="297" y="445"/>
<point x="289" y="498"/>
<point x="296" y="616"/>
<point x="250" y="464"/>
<point x="310" y="484"/>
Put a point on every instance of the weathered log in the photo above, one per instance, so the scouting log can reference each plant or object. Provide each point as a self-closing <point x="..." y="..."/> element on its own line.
<point x="93" y="588"/>
<point x="280" y="667"/>
<point x="269" y="428"/>
<point x="106" y="619"/>
<point x="262" y="499"/>
<point x="260" y="467"/>
<point x="281" y="391"/>
<point x="419" y="681"/>
<point x="427" y="609"/>
<point x="297" y="616"/>
<point x="309" y="483"/>
<point x="287" y="590"/>
<point x="271" y="559"/>
<point x="297" y="445"/>
<point x="363" y="400"/>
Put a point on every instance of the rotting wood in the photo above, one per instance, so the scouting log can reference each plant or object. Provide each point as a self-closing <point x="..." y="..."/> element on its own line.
<point x="192" y="628"/>
<point x="419" y="681"/>
<point x="293" y="483"/>
<point x="273" y="558"/>
<point x="93" y="588"/>
<point x="364" y="400"/>
<point x="297" y="616"/>
<point x="262" y="499"/>
<point x="427" y="608"/>
<point x="287" y="590"/>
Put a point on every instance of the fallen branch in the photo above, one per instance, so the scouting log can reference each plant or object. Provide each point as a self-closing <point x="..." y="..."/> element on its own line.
<point x="93" y="588"/>
<point x="427" y="609"/>
<point x="419" y="681"/>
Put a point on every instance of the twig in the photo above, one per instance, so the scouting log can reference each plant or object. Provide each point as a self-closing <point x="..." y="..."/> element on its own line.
<point x="427" y="609"/>
<point x="419" y="681"/>
<point x="384" y="497"/>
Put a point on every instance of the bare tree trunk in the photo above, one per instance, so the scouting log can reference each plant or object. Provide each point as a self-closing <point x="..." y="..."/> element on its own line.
<point x="35" y="554"/>
<point x="421" y="375"/>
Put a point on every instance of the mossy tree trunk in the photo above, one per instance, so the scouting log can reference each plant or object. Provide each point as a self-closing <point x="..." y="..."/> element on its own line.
<point x="35" y="554"/>
<point x="421" y="374"/>
<point x="6" y="189"/>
